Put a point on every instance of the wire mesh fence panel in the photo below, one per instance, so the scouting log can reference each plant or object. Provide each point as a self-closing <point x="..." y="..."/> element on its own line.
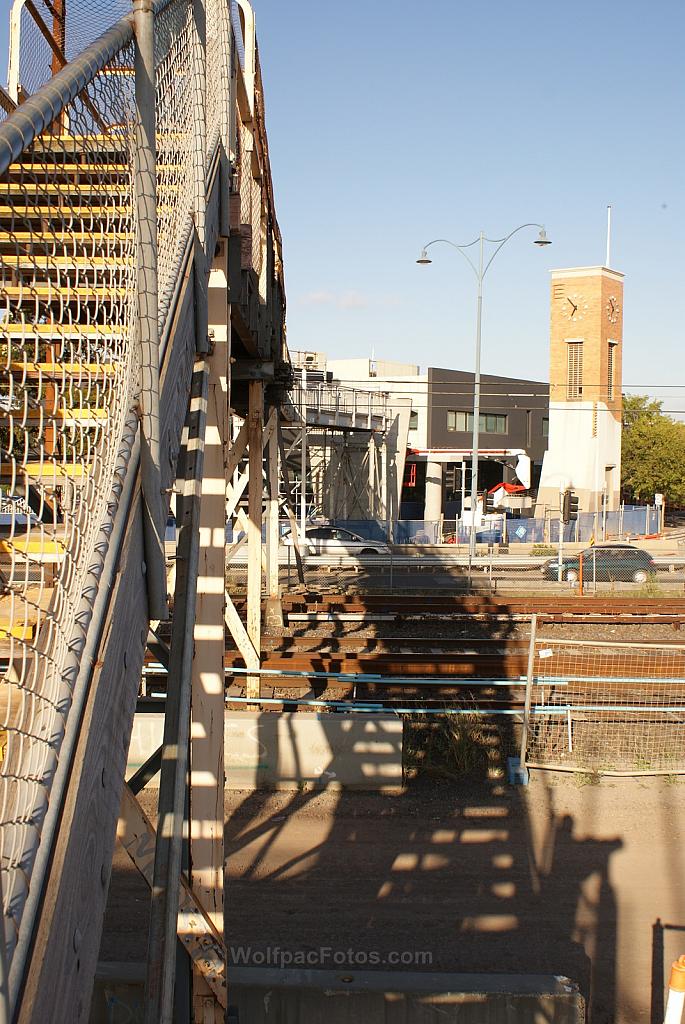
<point x="175" y="87"/>
<point x="218" y="76"/>
<point x="256" y="221"/>
<point x="245" y="150"/>
<point x="68" y="378"/>
<point x="604" y="707"/>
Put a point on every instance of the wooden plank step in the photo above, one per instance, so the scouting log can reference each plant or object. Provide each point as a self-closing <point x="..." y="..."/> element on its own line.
<point x="45" y="470"/>
<point x="44" y="261"/>
<point x="40" y="550"/>
<point x="96" y="169"/>
<point x="65" y="331"/>
<point x="67" y="189"/>
<point x="37" y="211"/>
<point x="25" y="633"/>
<point x="65" y="417"/>
<point x="59" y="371"/>
<point x="57" y="293"/>
<point x="82" y="237"/>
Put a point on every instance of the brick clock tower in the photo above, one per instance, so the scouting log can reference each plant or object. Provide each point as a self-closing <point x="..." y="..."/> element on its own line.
<point x="584" y="445"/>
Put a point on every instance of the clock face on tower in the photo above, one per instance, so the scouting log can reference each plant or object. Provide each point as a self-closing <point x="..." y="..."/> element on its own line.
<point x="573" y="307"/>
<point x="613" y="309"/>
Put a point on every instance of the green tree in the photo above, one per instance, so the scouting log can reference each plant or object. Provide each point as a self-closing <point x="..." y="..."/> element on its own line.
<point x="652" y="451"/>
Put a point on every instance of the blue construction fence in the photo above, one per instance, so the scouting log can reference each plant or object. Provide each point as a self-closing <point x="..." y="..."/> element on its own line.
<point x="626" y="522"/>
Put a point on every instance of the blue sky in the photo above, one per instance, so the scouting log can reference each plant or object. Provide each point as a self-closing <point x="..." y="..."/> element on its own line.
<point x="393" y="123"/>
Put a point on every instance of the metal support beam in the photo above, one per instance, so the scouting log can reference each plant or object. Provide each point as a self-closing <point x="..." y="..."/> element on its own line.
<point x="290" y="507"/>
<point x="385" y="489"/>
<point x="272" y="537"/>
<point x="372" y="475"/>
<point x="274" y="611"/>
<point x="253" y="369"/>
<point x="161" y="962"/>
<point x="145" y="175"/>
<point x="254" y="534"/>
<point x="303" y="468"/>
<point x="207" y="702"/>
<point x="158" y="648"/>
<point x="146" y="773"/>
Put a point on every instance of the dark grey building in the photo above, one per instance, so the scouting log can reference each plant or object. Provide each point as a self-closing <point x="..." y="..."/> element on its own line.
<point x="514" y="415"/>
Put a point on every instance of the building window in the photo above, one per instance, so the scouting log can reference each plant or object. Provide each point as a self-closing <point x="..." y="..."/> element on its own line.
<point x="413" y="420"/>
<point x="574" y="382"/>
<point x="610" y="371"/>
<point x="488" y="422"/>
<point x="545" y="426"/>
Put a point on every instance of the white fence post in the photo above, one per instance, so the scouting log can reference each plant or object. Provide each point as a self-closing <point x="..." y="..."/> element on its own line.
<point x="529" y="688"/>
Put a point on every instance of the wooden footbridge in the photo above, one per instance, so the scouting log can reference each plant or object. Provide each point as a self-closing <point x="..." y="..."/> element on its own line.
<point x="143" y="369"/>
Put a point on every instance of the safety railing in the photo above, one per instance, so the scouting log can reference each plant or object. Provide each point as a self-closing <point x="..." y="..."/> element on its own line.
<point x="332" y="399"/>
<point x="70" y="363"/>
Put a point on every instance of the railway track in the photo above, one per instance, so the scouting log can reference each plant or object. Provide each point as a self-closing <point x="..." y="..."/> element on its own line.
<point x="430" y="669"/>
<point x="622" y="610"/>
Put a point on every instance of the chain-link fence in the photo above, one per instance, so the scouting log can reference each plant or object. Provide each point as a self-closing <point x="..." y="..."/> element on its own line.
<point x="217" y="73"/>
<point x="175" y="137"/>
<point x="607" y="707"/>
<point x="67" y="385"/>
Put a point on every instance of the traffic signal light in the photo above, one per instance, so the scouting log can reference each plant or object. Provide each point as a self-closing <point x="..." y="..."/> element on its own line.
<point x="569" y="507"/>
<point x="489" y="503"/>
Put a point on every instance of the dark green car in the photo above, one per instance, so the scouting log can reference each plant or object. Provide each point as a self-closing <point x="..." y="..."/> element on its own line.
<point x="606" y="563"/>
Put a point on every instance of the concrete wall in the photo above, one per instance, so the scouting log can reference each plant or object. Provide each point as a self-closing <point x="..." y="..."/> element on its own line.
<point x="295" y="750"/>
<point x="264" y="995"/>
<point x="382" y="997"/>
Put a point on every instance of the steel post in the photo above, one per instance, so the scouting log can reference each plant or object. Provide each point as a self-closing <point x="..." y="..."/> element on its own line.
<point x="145" y="174"/>
<point x="272" y="537"/>
<point x="303" y="471"/>
<point x="476" y="409"/>
<point x="255" y="421"/>
<point x="529" y="689"/>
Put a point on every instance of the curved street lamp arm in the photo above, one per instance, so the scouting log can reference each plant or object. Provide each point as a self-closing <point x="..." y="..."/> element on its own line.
<point x="459" y="248"/>
<point x="503" y="241"/>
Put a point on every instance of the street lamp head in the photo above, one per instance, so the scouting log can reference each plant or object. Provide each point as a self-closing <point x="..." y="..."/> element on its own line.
<point x="424" y="259"/>
<point x="542" y="238"/>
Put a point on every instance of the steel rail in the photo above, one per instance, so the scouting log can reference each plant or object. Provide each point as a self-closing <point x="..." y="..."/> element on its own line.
<point x="365" y="708"/>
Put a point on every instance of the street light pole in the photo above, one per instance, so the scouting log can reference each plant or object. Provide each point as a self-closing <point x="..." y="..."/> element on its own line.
<point x="480" y="271"/>
<point x="476" y="411"/>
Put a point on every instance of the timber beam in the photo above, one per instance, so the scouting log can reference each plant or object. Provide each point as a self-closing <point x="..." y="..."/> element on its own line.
<point x="199" y="938"/>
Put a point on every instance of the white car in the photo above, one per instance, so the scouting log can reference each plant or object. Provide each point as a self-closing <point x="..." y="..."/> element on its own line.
<point x="333" y="540"/>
